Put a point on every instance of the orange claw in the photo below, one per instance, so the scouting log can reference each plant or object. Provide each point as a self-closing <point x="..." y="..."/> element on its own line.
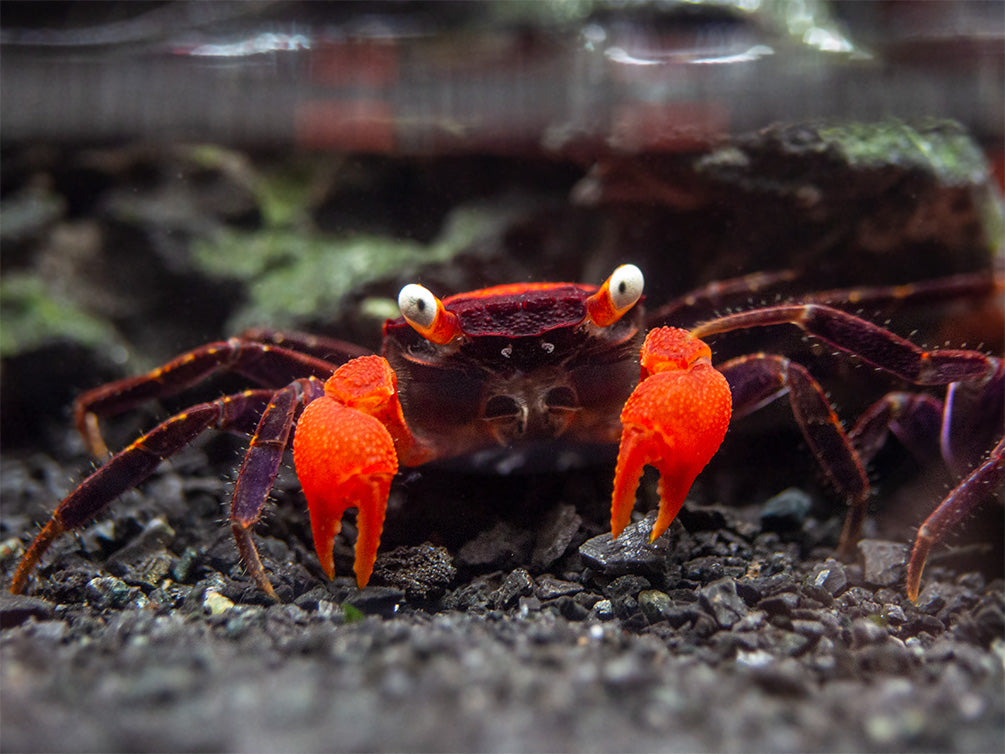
<point x="346" y="458"/>
<point x="675" y="420"/>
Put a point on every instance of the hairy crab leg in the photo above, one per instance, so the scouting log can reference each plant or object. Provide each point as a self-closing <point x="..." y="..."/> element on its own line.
<point x="331" y="350"/>
<point x="856" y="336"/>
<point x="132" y="465"/>
<point x="267" y="365"/>
<point x="758" y="379"/>
<point x="260" y="467"/>
<point x="714" y="294"/>
<point x="914" y="418"/>
<point x="984" y="480"/>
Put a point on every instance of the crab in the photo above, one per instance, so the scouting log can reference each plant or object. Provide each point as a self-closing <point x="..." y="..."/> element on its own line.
<point x="528" y="365"/>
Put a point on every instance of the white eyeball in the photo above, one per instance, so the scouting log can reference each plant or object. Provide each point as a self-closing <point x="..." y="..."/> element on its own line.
<point x="417" y="305"/>
<point x="626" y="286"/>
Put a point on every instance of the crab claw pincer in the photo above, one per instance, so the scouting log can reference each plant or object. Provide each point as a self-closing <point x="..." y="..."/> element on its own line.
<point x="675" y="421"/>
<point x="345" y="457"/>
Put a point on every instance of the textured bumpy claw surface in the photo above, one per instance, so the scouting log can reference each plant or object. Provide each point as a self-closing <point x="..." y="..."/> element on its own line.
<point x="675" y="421"/>
<point x="346" y="458"/>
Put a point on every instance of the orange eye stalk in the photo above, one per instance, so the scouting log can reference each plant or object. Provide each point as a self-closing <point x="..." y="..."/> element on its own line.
<point x="619" y="293"/>
<point x="426" y="314"/>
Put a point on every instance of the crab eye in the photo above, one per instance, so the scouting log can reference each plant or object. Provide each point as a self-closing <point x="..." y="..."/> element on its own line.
<point x="425" y="313"/>
<point x="619" y="293"/>
<point x="625" y="286"/>
<point x="418" y="306"/>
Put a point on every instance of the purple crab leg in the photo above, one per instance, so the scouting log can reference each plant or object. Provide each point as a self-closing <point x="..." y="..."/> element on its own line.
<point x="259" y="469"/>
<point x="915" y="419"/>
<point x="267" y="365"/>
<point x="974" y="415"/>
<point x="757" y="379"/>
<point x="856" y="336"/>
<point x="332" y="350"/>
<point x="130" y="466"/>
<point x="984" y="480"/>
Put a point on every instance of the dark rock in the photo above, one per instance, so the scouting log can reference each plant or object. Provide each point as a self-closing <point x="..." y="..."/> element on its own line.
<point x="499" y="547"/>
<point x="890" y="657"/>
<point x="786" y="511"/>
<point x="653" y="603"/>
<point x="516" y="584"/>
<point x="784" y="678"/>
<point x="376" y="600"/>
<point x="883" y="561"/>
<point x="421" y="572"/>
<point x="15" y="609"/>
<point x="631" y="552"/>
<point x="110" y="592"/>
<point x="865" y="631"/>
<point x="153" y="539"/>
<point x="569" y="609"/>
<point x="830" y="577"/>
<point x="603" y="609"/>
<point x="626" y="586"/>
<point x="779" y="604"/>
<point x="555" y="535"/>
<point x="702" y="517"/>
<point x="720" y="598"/>
<point x="548" y="588"/>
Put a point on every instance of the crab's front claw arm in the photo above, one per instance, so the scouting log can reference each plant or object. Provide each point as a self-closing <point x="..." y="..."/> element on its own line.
<point x="346" y="450"/>
<point x="675" y="421"/>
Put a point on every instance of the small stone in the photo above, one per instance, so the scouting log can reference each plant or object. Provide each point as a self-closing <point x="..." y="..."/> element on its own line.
<point x="110" y="592"/>
<point x="779" y="604"/>
<point x="604" y="610"/>
<point x="786" y="511"/>
<point x="215" y="603"/>
<point x="15" y="609"/>
<point x="626" y="586"/>
<point x="653" y="603"/>
<point x="570" y="609"/>
<point x="721" y="599"/>
<point x="421" y="572"/>
<point x="376" y="600"/>
<point x="865" y="631"/>
<point x="785" y="677"/>
<point x="555" y="535"/>
<point x="830" y="577"/>
<point x="154" y="537"/>
<point x="631" y="552"/>
<point x="883" y="561"/>
<point x="549" y="588"/>
<point x="502" y="545"/>
<point x="182" y="567"/>
<point x="517" y="584"/>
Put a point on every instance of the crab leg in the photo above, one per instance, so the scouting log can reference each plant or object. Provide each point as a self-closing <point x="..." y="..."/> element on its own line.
<point x="675" y="420"/>
<point x="135" y="463"/>
<point x="268" y="365"/>
<point x="914" y="418"/>
<point x="260" y="467"/>
<point x="869" y="342"/>
<point x="760" y="378"/>
<point x="331" y="350"/>
<point x="986" y="478"/>
<point x="346" y="449"/>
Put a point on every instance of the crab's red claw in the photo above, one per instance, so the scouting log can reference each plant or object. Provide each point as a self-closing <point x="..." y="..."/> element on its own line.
<point x="675" y="421"/>
<point x="344" y="459"/>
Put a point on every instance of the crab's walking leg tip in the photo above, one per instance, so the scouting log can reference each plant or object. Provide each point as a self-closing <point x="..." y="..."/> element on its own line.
<point x="916" y="566"/>
<point x="250" y="558"/>
<point x="50" y="532"/>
